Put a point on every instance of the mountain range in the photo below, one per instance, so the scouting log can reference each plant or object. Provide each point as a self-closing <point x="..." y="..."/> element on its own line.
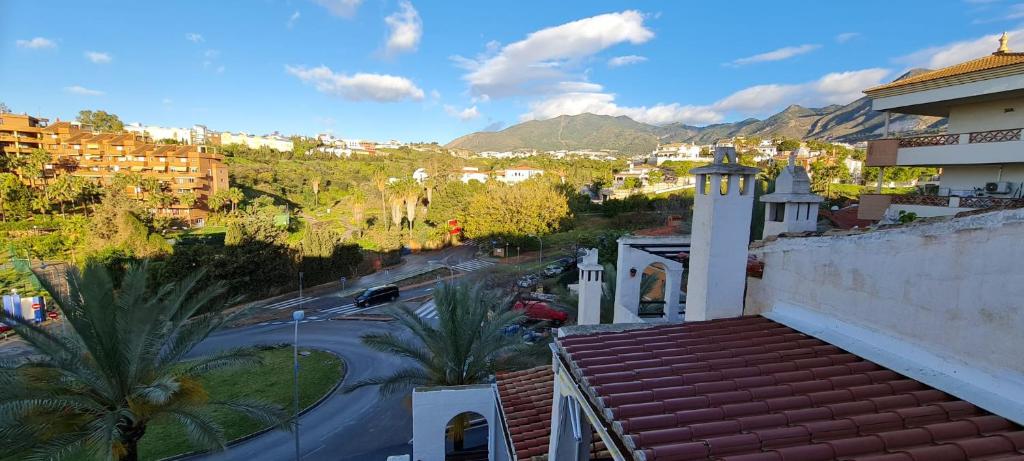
<point x="846" y="123"/>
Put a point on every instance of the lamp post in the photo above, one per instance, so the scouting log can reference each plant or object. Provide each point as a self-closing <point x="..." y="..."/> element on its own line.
<point x="541" y="247"/>
<point x="517" y="257"/>
<point x="297" y="316"/>
<point x="451" y="271"/>
<point x="300" y="290"/>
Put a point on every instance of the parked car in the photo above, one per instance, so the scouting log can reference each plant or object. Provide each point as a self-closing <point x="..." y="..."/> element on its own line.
<point x="528" y="280"/>
<point x="377" y="295"/>
<point x="540" y="311"/>
<point x="552" y="270"/>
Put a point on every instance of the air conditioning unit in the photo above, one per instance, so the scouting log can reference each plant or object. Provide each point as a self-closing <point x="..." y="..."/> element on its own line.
<point x="1001" y="187"/>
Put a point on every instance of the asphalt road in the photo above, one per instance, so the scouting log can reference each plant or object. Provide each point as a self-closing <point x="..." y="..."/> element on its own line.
<point x="357" y="426"/>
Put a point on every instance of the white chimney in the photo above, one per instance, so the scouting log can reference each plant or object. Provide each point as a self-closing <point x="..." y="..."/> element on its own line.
<point x="591" y="285"/>
<point x="721" y="232"/>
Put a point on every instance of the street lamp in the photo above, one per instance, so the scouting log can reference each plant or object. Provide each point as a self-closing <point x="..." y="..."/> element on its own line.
<point x="297" y="316"/>
<point x="451" y="271"/>
<point x="541" y="247"/>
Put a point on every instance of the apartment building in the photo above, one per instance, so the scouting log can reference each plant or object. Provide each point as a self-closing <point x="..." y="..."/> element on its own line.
<point x="20" y="134"/>
<point x="980" y="155"/>
<point x="101" y="156"/>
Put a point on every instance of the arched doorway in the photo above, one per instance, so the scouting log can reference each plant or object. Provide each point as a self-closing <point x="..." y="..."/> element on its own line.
<point x="466" y="437"/>
<point x="652" y="290"/>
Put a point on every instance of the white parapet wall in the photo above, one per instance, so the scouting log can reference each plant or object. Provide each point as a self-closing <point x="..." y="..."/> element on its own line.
<point x="951" y="292"/>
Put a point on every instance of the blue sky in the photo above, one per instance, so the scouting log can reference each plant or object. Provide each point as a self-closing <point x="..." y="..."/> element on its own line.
<point x="432" y="71"/>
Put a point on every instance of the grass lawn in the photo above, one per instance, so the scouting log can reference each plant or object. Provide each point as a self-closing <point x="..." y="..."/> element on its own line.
<point x="272" y="381"/>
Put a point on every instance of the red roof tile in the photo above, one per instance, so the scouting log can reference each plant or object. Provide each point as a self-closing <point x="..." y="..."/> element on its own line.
<point x="751" y="389"/>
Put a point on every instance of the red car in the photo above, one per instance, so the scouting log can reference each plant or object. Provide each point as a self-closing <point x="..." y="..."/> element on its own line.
<point x="538" y="310"/>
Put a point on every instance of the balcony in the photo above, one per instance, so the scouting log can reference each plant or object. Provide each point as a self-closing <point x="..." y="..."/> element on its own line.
<point x="982" y="147"/>
<point x="873" y="206"/>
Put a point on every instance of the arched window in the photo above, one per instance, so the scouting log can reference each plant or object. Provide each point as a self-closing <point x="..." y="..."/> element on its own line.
<point x="466" y="437"/>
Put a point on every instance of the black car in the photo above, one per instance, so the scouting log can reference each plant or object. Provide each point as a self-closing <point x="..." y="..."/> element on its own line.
<point x="377" y="295"/>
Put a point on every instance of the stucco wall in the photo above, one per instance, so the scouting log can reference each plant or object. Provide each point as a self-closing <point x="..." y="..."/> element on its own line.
<point x="967" y="177"/>
<point x="985" y="116"/>
<point x="954" y="288"/>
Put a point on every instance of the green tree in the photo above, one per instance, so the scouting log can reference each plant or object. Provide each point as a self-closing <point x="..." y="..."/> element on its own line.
<point x="94" y="391"/>
<point x="188" y="200"/>
<point x="632" y="183"/>
<point x="4" y="109"/>
<point x="218" y="200"/>
<point x="33" y="165"/>
<point x="10" y="189"/>
<point x="533" y="207"/>
<point x="468" y="345"/>
<point x="788" y="144"/>
<point x="235" y="196"/>
<point x="380" y="182"/>
<point x="656" y="176"/>
<point x="101" y="121"/>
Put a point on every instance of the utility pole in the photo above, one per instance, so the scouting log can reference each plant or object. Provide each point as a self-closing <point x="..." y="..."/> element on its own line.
<point x="296" y="316"/>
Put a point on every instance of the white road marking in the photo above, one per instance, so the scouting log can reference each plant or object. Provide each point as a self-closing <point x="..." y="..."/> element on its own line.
<point x="472" y="265"/>
<point x="288" y="303"/>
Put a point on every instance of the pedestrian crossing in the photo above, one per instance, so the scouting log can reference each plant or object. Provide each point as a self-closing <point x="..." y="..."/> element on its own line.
<point x="294" y="302"/>
<point x="343" y="309"/>
<point x="472" y="265"/>
<point x="428" y="310"/>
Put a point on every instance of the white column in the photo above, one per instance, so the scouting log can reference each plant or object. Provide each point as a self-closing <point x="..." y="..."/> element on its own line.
<point x="570" y="430"/>
<point x="591" y="285"/>
<point x="673" y="283"/>
<point x="627" y="289"/>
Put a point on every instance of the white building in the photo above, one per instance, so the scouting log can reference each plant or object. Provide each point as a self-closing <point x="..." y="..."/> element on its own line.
<point x="275" y="142"/>
<point x="518" y="174"/>
<point x="766" y="150"/>
<point x="471" y="173"/>
<point x="420" y="175"/>
<point x="982" y="152"/>
<point x="159" y="133"/>
<point x="674" y="153"/>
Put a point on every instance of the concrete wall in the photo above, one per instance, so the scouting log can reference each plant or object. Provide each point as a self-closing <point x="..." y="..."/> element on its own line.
<point x="951" y="288"/>
<point x="433" y="408"/>
<point x="986" y="116"/>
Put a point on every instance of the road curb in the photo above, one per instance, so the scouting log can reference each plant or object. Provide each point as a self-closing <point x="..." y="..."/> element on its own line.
<point x="260" y="432"/>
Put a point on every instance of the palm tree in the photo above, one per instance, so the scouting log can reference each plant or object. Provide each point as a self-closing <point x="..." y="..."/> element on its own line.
<point x="411" y="196"/>
<point x="93" y="392"/>
<point x="380" y="181"/>
<point x="468" y="345"/>
<point x="188" y="200"/>
<point x="235" y="195"/>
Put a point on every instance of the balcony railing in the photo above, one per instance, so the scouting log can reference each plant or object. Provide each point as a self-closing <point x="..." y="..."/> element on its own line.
<point x="928" y="200"/>
<point x="883" y="152"/>
<point x="935" y="140"/>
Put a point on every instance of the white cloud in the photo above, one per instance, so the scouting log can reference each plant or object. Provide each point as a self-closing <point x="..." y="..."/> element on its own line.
<point x="82" y="91"/>
<point x="833" y="88"/>
<point x="98" y="57"/>
<point x="531" y="65"/>
<point x="194" y="37"/>
<point x="406" y="29"/>
<point x="604" y="104"/>
<point x="435" y="95"/>
<point x="293" y="19"/>
<point x="466" y="114"/>
<point x="776" y="55"/>
<point x="340" y="8"/>
<point x="36" y="43"/>
<point x="846" y="36"/>
<point x="359" y="86"/>
<point x="620" y="61"/>
<point x="956" y="52"/>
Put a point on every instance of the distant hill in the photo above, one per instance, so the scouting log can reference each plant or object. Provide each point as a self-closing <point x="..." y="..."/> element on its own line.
<point x="848" y="123"/>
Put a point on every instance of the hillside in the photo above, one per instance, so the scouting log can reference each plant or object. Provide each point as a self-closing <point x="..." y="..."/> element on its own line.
<point x="566" y="132"/>
<point x="849" y="123"/>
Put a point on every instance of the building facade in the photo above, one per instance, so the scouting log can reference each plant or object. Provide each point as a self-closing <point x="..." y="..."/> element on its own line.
<point x="980" y="154"/>
<point x="278" y="143"/>
<point x="100" y="157"/>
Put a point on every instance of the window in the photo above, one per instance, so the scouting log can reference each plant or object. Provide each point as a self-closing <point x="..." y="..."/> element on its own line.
<point x="778" y="212"/>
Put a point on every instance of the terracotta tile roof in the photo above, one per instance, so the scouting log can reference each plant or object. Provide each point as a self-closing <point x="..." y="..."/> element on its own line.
<point x="750" y="389"/>
<point x="986" y="63"/>
<point x="526" y="402"/>
<point x="845" y="218"/>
